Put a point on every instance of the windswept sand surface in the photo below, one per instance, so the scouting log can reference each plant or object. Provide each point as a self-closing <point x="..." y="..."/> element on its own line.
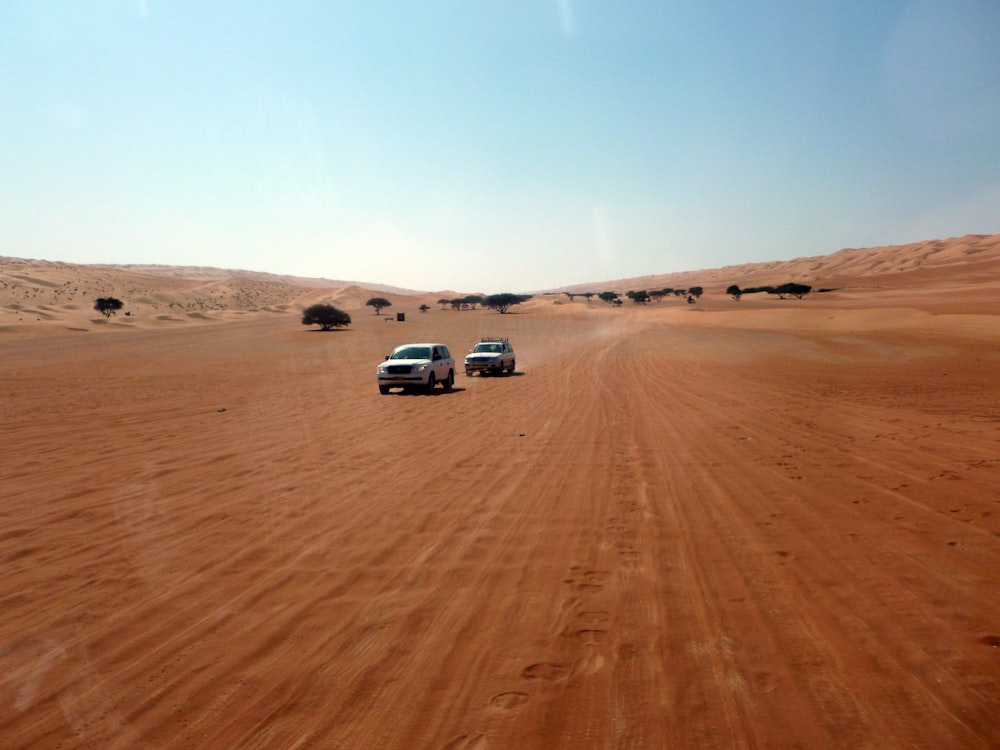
<point x="732" y="524"/>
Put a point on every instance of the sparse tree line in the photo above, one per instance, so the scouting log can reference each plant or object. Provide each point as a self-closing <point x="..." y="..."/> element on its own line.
<point x="328" y="317"/>
<point x="643" y="296"/>
<point x="500" y="302"/>
<point x="783" y="291"/>
<point x="468" y="302"/>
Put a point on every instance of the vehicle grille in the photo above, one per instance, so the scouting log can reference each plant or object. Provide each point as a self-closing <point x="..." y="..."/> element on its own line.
<point x="399" y="369"/>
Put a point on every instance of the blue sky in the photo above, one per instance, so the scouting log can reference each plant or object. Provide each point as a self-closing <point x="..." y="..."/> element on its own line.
<point x="501" y="145"/>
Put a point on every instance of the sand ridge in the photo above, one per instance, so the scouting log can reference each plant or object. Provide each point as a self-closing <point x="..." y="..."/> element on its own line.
<point x="727" y="524"/>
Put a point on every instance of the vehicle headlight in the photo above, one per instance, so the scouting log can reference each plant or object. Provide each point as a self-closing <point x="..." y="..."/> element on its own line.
<point x="421" y="368"/>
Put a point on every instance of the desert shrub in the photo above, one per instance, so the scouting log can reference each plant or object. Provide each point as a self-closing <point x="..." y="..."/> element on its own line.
<point x="107" y="306"/>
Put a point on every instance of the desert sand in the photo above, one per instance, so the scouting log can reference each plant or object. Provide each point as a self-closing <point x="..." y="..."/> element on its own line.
<point x="732" y="524"/>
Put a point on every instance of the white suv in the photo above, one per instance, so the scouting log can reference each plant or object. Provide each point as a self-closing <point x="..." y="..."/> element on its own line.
<point x="417" y="366"/>
<point x="493" y="355"/>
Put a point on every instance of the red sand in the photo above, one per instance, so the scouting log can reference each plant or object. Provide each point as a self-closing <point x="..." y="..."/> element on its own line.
<point x="729" y="524"/>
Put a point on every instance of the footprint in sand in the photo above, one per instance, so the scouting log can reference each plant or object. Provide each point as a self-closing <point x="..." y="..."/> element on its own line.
<point x="545" y="671"/>
<point x="591" y="637"/>
<point x="629" y="557"/>
<point x="764" y="682"/>
<point x="507" y="701"/>
<point x="586" y="581"/>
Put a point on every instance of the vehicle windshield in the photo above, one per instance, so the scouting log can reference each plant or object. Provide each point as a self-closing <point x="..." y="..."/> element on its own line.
<point x="412" y="352"/>
<point x="487" y="348"/>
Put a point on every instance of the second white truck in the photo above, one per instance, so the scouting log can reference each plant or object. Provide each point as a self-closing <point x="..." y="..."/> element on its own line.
<point x="492" y="355"/>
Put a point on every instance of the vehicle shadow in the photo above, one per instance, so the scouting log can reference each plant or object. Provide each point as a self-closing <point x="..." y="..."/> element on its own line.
<point x="438" y="391"/>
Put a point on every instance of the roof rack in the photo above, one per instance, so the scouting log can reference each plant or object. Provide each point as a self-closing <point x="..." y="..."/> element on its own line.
<point x="494" y="338"/>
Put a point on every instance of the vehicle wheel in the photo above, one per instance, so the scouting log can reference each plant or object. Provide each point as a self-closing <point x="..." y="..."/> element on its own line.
<point x="449" y="381"/>
<point x="513" y="364"/>
<point x="468" y="373"/>
<point x="431" y="382"/>
<point x="384" y="390"/>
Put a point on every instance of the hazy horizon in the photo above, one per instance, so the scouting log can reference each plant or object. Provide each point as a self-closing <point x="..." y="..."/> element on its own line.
<point x="453" y="146"/>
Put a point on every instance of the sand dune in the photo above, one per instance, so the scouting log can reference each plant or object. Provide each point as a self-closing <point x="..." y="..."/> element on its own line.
<point x="727" y="524"/>
<point x="63" y="295"/>
<point x="974" y="255"/>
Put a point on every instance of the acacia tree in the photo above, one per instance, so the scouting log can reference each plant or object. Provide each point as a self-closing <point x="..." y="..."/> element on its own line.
<point x="734" y="291"/>
<point x="608" y="297"/>
<point x="696" y="291"/>
<point x="504" y="301"/>
<point x="325" y="316"/>
<point x="378" y="303"/>
<point x="107" y="306"/>
<point x="796" y="290"/>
